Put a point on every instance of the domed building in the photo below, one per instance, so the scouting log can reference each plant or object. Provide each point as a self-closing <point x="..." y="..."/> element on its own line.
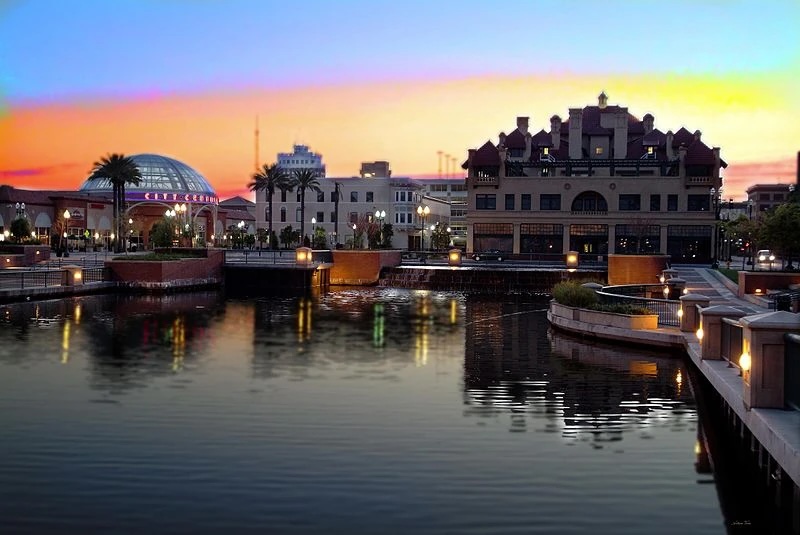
<point x="83" y="219"/>
<point x="167" y="186"/>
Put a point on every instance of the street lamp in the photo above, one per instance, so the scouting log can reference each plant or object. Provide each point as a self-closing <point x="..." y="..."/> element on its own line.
<point x="715" y="198"/>
<point x="423" y="212"/>
<point x="20" y="209"/>
<point x="66" y="225"/>
<point x="380" y="215"/>
<point x="354" y="235"/>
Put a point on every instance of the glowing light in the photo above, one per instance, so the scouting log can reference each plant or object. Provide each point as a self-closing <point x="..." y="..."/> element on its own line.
<point x="680" y="313"/>
<point x="745" y="361"/>
<point x="700" y="334"/>
<point x="679" y="378"/>
<point x="572" y="259"/>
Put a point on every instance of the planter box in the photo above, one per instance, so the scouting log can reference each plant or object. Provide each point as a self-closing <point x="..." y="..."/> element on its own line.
<point x="605" y="319"/>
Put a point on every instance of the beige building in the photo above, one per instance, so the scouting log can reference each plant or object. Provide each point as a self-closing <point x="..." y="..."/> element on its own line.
<point x="601" y="182"/>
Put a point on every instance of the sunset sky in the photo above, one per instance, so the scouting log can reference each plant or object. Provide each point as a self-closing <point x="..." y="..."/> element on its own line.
<point x="378" y="80"/>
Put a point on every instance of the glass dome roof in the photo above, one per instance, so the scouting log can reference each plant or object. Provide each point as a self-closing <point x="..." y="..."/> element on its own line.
<point x="160" y="174"/>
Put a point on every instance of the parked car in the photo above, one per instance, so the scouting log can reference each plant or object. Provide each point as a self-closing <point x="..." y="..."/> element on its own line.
<point x="491" y="254"/>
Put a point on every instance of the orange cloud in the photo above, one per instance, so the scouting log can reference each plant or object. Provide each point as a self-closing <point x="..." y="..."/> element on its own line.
<point x="404" y="122"/>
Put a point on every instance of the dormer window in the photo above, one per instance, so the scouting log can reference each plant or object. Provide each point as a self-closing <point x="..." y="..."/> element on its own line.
<point x="598" y="150"/>
<point x="650" y="150"/>
<point x="546" y="151"/>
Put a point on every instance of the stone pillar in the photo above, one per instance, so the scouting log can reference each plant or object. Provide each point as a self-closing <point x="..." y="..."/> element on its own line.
<point x="676" y="286"/>
<point x="74" y="275"/>
<point x="669" y="273"/>
<point x="711" y="325"/>
<point x="690" y="318"/>
<point x="762" y="341"/>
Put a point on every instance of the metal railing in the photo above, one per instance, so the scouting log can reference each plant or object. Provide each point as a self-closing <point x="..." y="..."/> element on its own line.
<point x="730" y="346"/>
<point x="21" y="279"/>
<point x="638" y="295"/>
<point x="96" y="274"/>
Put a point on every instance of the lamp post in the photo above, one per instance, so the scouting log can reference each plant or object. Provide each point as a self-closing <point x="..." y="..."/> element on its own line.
<point x="66" y="226"/>
<point x="240" y="226"/>
<point x="354" y="235"/>
<point x="423" y="212"/>
<point x="313" y="230"/>
<point x="20" y="206"/>
<point x="380" y="215"/>
<point x="715" y="198"/>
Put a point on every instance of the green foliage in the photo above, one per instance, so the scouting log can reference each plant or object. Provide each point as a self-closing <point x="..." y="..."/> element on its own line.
<point x="289" y="236"/>
<point x="572" y="294"/>
<point x="732" y="274"/>
<point x="163" y="233"/>
<point x="262" y="235"/>
<point x="388" y="233"/>
<point x="157" y="257"/>
<point x="21" y="229"/>
<point x="622" y="308"/>
<point x="779" y="229"/>
<point x="440" y="238"/>
<point x="319" y="240"/>
<point x="250" y="240"/>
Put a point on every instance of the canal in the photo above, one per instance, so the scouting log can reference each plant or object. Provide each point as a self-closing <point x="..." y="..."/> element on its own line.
<point x="357" y="411"/>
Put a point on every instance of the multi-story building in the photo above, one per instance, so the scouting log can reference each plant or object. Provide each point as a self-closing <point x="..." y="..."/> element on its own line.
<point x="359" y="198"/>
<point x="601" y="182"/>
<point x="301" y="158"/>
<point x="764" y="197"/>
<point x="454" y="192"/>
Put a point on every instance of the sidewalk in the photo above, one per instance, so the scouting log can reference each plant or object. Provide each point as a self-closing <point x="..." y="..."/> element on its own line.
<point x="721" y="290"/>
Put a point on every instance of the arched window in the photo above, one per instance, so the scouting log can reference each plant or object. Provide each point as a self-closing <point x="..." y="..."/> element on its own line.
<point x="283" y="214"/>
<point x="589" y="201"/>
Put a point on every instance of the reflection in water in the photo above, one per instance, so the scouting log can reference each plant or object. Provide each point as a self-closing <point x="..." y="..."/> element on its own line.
<point x="377" y="410"/>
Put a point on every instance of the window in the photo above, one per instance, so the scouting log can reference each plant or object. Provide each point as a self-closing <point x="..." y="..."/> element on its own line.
<point x="698" y="203"/>
<point x="333" y="196"/>
<point x="353" y="217"/>
<point x="546" y="151"/>
<point x="509" y="201"/>
<point x="403" y="196"/>
<point x="598" y="150"/>
<point x="267" y="215"/>
<point x="629" y="202"/>
<point x="516" y="153"/>
<point x="320" y="196"/>
<point x="655" y="203"/>
<point x="353" y="196"/>
<point x="650" y="150"/>
<point x="370" y="196"/>
<point x="589" y="201"/>
<point x="320" y="217"/>
<point x="283" y="195"/>
<point x="486" y="201"/>
<point x="283" y="215"/>
<point x="672" y="203"/>
<point x="402" y="217"/>
<point x="525" y="201"/>
<point x="550" y="201"/>
<point x="298" y="215"/>
<point x="333" y="217"/>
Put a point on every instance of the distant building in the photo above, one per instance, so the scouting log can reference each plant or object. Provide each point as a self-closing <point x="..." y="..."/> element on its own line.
<point x="360" y="197"/>
<point x="765" y="197"/>
<point x="301" y="158"/>
<point x="601" y="182"/>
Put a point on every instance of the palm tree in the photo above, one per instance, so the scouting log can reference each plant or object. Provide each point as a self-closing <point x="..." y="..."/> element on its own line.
<point x="268" y="179"/>
<point x="304" y="179"/>
<point x="119" y="170"/>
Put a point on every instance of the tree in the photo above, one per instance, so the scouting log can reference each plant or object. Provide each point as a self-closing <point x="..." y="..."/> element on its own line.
<point x="440" y="238"/>
<point x="319" y="239"/>
<point x="779" y="230"/>
<point x="21" y="229"/>
<point x="119" y="170"/>
<point x="289" y="236"/>
<point x="269" y="178"/>
<point x="263" y="236"/>
<point x="388" y="233"/>
<point x="304" y="179"/>
<point x="163" y="232"/>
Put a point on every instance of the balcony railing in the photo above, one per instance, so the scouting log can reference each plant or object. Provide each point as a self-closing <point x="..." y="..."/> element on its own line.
<point x="638" y="295"/>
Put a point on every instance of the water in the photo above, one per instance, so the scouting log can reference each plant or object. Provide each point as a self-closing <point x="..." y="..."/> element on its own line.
<point x="360" y="411"/>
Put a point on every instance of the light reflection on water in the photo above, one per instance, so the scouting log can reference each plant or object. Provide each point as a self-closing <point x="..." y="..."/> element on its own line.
<point x="364" y="411"/>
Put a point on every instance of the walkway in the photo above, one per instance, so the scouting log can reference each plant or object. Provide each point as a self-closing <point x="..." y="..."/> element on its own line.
<point x="704" y="281"/>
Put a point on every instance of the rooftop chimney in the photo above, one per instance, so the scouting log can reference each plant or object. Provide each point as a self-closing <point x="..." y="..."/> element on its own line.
<point x="522" y="124"/>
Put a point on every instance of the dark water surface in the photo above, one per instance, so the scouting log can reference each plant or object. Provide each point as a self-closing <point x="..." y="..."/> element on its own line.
<point x="359" y="411"/>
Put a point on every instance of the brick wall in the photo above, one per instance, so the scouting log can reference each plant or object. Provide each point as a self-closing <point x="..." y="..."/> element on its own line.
<point x="749" y="281"/>
<point x="186" y="269"/>
<point x="361" y="267"/>
<point x="635" y="269"/>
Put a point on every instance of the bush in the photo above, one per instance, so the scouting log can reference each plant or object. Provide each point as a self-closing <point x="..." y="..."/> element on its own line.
<point x="572" y="294"/>
<point x="622" y="308"/>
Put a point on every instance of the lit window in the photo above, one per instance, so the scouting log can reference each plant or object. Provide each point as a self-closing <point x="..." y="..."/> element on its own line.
<point x="546" y="151"/>
<point x="598" y="150"/>
<point x="649" y="150"/>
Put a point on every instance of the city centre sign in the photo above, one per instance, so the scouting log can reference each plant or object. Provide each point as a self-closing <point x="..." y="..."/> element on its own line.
<point x="171" y="197"/>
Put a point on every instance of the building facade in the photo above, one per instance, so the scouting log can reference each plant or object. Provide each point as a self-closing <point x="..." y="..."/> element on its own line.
<point x="764" y="197"/>
<point x="359" y="198"/>
<point x="453" y="191"/>
<point x="301" y="158"/>
<point x="601" y="182"/>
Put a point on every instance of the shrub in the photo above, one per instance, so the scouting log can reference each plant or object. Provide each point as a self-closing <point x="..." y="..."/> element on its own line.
<point x="572" y="294"/>
<point x="622" y="308"/>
